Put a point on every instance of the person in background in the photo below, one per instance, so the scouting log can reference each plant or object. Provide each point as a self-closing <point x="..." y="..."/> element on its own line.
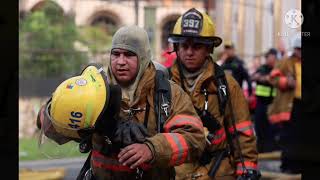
<point x="285" y="108"/>
<point x="221" y="57"/>
<point x="256" y="63"/>
<point x="169" y="56"/>
<point x="236" y="67"/>
<point x="264" y="92"/>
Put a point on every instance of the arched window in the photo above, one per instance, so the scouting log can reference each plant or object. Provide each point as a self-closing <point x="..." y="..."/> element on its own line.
<point x="167" y="28"/>
<point x="106" y="20"/>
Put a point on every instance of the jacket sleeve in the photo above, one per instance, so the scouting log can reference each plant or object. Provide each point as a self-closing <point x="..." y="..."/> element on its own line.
<point x="183" y="138"/>
<point x="244" y="126"/>
<point x="278" y="77"/>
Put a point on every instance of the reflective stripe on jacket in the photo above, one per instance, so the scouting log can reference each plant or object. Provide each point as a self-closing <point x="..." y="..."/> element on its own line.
<point x="243" y="122"/>
<point x="280" y="108"/>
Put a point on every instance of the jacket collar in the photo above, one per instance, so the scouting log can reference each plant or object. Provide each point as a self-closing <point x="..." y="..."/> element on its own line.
<point x="145" y="84"/>
<point x="205" y="81"/>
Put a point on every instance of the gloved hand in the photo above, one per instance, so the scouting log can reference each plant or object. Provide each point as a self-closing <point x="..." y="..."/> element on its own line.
<point x="250" y="175"/>
<point x="129" y="132"/>
<point x="291" y="82"/>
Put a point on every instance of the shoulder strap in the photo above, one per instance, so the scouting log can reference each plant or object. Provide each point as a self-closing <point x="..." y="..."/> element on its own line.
<point x="162" y="99"/>
<point x="223" y="98"/>
<point x="221" y="84"/>
<point x="84" y="168"/>
<point x="223" y="92"/>
<point x="181" y="74"/>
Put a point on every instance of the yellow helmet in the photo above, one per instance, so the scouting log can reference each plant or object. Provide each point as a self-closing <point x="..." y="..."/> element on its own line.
<point x="78" y="102"/>
<point x="196" y="25"/>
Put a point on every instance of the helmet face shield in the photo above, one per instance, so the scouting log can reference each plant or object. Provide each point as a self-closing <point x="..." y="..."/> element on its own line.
<point x="206" y="41"/>
<point x="53" y="149"/>
<point x="50" y="143"/>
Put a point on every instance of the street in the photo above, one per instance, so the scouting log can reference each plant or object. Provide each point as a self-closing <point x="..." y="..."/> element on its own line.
<point x="72" y="166"/>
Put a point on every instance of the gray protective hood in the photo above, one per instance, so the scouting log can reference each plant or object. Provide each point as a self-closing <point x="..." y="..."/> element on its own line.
<point x="135" y="39"/>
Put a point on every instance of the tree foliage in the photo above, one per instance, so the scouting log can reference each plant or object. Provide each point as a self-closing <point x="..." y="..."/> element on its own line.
<point x="95" y="38"/>
<point x="46" y="44"/>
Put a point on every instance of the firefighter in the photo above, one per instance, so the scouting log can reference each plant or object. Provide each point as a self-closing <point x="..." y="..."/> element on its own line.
<point x="219" y="101"/>
<point x="140" y="146"/>
<point x="264" y="95"/>
<point x="286" y="77"/>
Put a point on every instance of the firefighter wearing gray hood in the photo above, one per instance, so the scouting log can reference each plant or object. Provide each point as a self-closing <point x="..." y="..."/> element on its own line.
<point x="181" y="138"/>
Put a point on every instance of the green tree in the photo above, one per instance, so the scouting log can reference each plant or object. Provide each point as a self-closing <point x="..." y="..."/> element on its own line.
<point x="46" y="44"/>
<point x="95" y="38"/>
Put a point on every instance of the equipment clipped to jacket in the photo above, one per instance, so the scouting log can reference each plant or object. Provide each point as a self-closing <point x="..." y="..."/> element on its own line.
<point x="129" y="132"/>
<point x="211" y="123"/>
<point x="162" y="99"/>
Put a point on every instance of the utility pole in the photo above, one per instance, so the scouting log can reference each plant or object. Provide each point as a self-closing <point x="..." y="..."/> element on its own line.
<point x="136" y="10"/>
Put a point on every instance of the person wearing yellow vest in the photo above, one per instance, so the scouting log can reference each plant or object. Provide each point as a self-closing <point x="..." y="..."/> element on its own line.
<point x="286" y="106"/>
<point x="264" y="94"/>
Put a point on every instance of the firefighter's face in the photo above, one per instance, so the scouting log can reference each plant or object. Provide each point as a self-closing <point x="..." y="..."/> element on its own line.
<point x="193" y="55"/>
<point x="124" y="65"/>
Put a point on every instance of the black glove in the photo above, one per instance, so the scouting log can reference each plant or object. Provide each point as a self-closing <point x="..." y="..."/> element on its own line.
<point x="250" y="175"/>
<point x="129" y="132"/>
<point x="208" y="120"/>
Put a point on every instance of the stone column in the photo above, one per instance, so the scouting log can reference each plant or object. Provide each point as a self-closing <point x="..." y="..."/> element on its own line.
<point x="258" y="27"/>
<point x="240" y="29"/>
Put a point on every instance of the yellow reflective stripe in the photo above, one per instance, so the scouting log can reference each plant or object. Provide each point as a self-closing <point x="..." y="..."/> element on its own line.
<point x="264" y="91"/>
<point x="274" y="92"/>
<point x="89" y="111"/>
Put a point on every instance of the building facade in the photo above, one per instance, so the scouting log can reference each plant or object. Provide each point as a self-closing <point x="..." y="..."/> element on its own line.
<point x="253" y="25"/>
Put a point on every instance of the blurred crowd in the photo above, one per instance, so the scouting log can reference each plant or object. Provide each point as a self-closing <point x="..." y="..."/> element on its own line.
<point x="272" y="86"/>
